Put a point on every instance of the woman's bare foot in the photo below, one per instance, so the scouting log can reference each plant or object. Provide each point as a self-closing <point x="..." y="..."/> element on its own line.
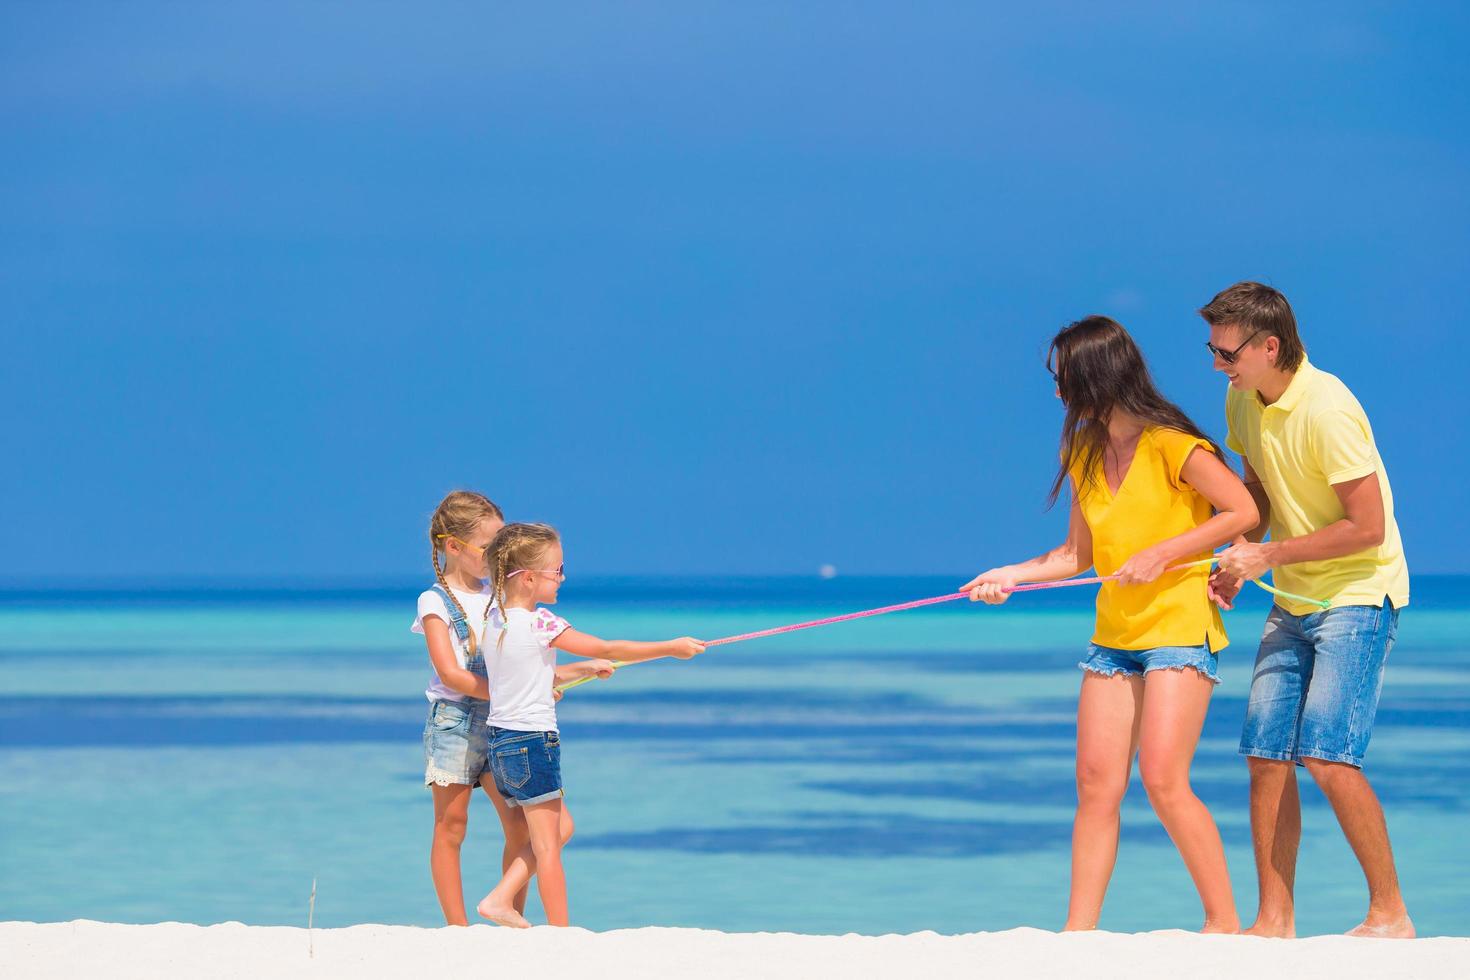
<point x="1226" y="928"/>
<point x="501" y="913"/>
<point x="1373" y="928"/>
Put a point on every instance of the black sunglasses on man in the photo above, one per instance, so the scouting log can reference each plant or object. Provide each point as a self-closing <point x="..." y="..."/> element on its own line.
<point x="1229" y="356"/>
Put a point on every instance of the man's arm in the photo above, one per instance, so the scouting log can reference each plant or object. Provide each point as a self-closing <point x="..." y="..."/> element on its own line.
<point x="1362" y="526"/>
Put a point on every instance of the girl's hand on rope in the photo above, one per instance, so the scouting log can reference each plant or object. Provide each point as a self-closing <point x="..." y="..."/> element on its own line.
<point x="583" y="669"/>
<point x="1144" y="567"/>
<point x="991" y="587"/>
<point x="1223" y="589"/>
<point x="685" y="647"/>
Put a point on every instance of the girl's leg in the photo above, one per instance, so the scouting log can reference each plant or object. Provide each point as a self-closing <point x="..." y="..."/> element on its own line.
<point x="555" y="828"/>
<point x="1108" y="712"/>
<point x="517" y="847"/>
<point x="566" y="824"/>
<point x="451" y="814"/>
<point x="1174" y="705"/>
<point x="517" y="835"/>
<point x="545" y="822"/>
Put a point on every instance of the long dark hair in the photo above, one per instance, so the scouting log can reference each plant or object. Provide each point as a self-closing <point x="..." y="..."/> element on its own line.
<point x="1099" y="369"/>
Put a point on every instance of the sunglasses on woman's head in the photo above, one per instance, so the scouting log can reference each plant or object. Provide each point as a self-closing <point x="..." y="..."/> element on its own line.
<point x="1229" y="356"/>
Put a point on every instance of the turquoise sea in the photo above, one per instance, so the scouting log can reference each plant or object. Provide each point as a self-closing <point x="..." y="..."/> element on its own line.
<point x="204" y="755"/>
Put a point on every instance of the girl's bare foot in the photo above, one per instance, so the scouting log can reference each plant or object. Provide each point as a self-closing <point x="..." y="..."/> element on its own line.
<point x="501" y="913"/>
<point x="1373" y="928"/>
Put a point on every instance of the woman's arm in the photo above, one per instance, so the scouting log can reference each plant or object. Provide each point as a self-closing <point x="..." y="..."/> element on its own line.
<point x="1235" y="513"/>
<point x="627" y="651"/>
<point x="1223" y="586"/>
<point x="1065" y="560"/>
<point x="1263" y="504"/>
<point x="446" y="664"/>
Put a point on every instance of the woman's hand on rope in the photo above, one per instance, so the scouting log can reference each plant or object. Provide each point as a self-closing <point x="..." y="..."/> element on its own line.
<point x="992" y="586"/>
<point x="1144" y="567"/>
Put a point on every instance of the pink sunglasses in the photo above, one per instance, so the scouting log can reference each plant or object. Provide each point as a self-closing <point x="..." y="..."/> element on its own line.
<point x="559" y="571"/>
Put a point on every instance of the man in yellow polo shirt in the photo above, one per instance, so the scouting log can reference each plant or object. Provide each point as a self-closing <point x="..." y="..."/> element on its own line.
<point x="1320" y="486"/>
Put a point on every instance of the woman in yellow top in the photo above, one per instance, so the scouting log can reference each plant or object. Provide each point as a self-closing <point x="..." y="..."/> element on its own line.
<point x="1149" y="491"/>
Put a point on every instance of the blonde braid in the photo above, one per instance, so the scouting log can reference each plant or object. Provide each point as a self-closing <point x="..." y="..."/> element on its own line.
<point x="439" y="526"/>
<point x="497" y="593"/>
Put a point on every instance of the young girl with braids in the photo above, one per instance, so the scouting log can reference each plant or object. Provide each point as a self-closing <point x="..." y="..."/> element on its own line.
<point x="451" y="617"/>
<point x="521" y="640"/>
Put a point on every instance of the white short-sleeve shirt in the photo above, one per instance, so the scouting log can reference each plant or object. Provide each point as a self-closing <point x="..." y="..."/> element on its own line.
<point x="522" y="667"/>
<point x="432" y="604"/>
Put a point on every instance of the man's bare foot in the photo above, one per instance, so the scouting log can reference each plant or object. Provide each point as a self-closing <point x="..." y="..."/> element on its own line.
<point x="1272" y="930"/>
<point x="501" y="913"/>
<point x="1400" y="928"/>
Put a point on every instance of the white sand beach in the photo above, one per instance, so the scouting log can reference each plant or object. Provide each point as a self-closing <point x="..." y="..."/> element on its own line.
<point x="92" y="949"/>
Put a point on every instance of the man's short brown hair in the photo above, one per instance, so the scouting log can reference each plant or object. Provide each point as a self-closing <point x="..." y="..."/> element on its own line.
<point x="1258" y="309"/>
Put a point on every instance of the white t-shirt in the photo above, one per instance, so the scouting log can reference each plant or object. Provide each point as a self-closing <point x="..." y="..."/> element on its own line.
<point x="432" y="604"/>
<point x="522" y="667"/>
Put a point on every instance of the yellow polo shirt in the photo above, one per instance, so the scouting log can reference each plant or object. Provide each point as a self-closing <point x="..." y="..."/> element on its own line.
<point x="1316" y="434"/>
<point x="1153" y="503"/>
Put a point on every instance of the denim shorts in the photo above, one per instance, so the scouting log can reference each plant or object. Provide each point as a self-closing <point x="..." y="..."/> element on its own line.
<point x="527" y="765"/>
<point x="1109" y="661"/>
<point x="456" y="743"/>
<point x="1315" y="690"/>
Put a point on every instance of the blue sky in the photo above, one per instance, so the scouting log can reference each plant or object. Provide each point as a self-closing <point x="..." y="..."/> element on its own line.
<point x="736" y="287"/>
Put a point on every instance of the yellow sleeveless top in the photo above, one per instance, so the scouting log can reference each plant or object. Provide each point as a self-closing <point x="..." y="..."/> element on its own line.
<point x="1153" y="503"/>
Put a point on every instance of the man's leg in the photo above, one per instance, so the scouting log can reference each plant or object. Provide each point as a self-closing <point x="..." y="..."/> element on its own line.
<point x="1352" y="645"/>
<point x="1276" y="832"/>
<point x="1361" y="817"/>
<point x="1279" y="683"/>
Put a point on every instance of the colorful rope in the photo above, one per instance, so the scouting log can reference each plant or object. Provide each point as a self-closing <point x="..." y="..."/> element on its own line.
<point x="949" y="597"/>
